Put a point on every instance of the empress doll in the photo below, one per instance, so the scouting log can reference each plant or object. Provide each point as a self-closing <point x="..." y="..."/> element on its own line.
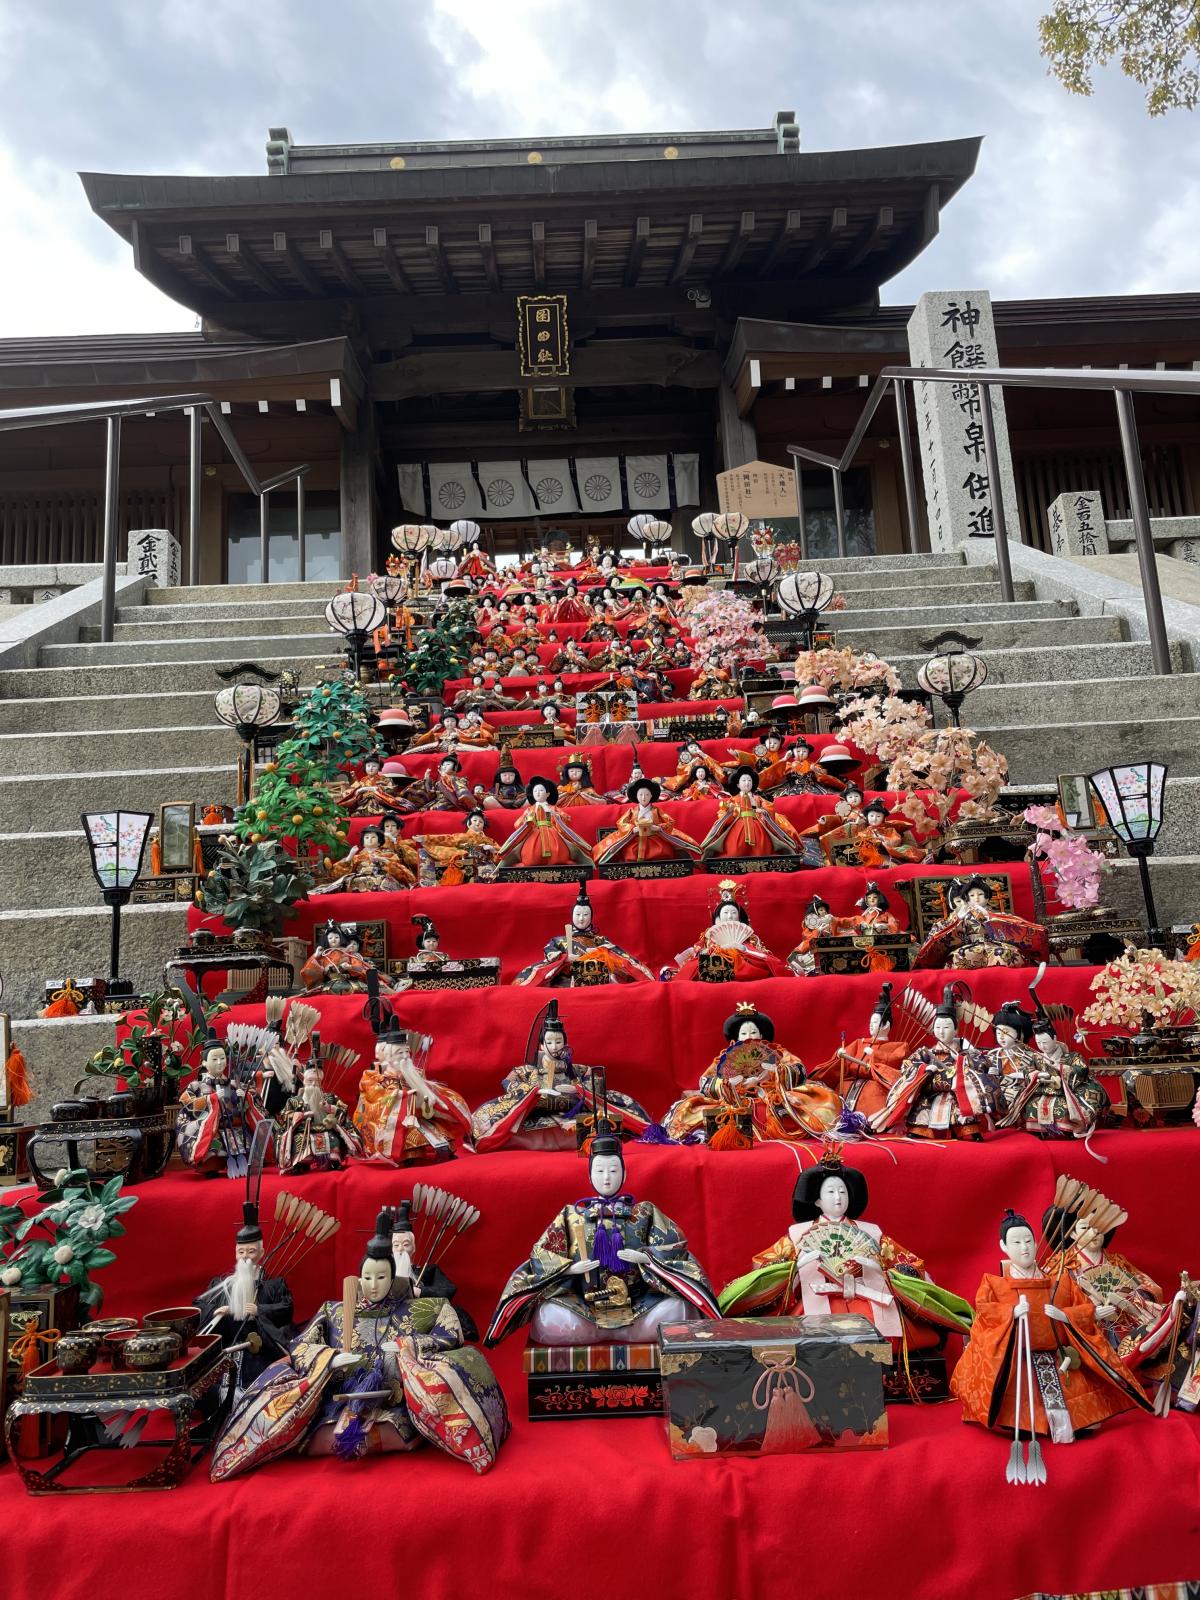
<point x="644" y="832"/>
<point x="976" y="935"/>
<point x="728" y="950"/>
<point x="747" y="825"/>
<point x="542" y="836"/>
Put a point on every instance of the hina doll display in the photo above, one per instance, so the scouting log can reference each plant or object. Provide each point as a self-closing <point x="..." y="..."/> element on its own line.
<point x="945" y="1089"/>
<point x="566" y="606"/>
<point x="570" y="657"/>
<point x="864" y="1071"/>
<point x="1036" y="1362"/>
<point x="747" y="825"/>
<point x="690" y="757"/>
<point x="976" y="935"/>
<point x="832" y="1262"/>
<point x="466" y="857"/>
<point x="878" y="840"/>
<point x="445" y="1218"/>
<point x="576" y="787"/>
<point x="728" y="950"/>
<point x="701" y="784"/>
<point x="248" y="1306"/>
<point x="373" y="793"/>
<point x="580" y="956"/>
<point x="474" y="733"/>
<point x="402" y="1116"/>
<point x="212" y="1125"/>
<point x="315" y="1130"/>
<point x="542" y="836"/>
<point x="872" y="917"/>
<point x="1052" y="1093"/>
<point x="444" y="735"/>
<point x="1131" y="1310"/>
<point x="796" y="772"/>
<point x="333" y="968"/>
<point x="483" y="695"/>
<point x="753" y="1076"/>
<point x="509" y="789"/>
<point x="1013" y="1054"/>
<point x="447" y="790"/>
<point x="645" y="832"/>
<point x="819" y="923"/>
<point x="372" y="866"/>
<point x="608" y="1269"/>
<point x="540" y="1100"/>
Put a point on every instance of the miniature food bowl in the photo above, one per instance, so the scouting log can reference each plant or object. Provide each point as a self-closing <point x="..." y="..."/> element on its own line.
<point x="151" y="1349"/>
<point x="115" y="1344"/>
<point x="77" y="1351"/>
<point x="183" y="1320"/>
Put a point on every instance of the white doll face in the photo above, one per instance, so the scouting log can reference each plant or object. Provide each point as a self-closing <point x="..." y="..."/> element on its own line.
<point x="945" y="1029"/>
<point x="728" y="913"/>
<point x="447" y="769"/>
<point x="371" y="767"/>
<point x="581" y="917"/>
<point x="215" y="1062"/>
<point x="549" y="713"/>
<point x="1020" y="1247"/>
<point x="745" y="783"/>
<point x="1006" y="1036"/>
<point x="251" y="1251"/>
<point x="643" y="795"/>
<point x="1050" y="1045"/>
<point x="540" y="794"/>
<point x="375" y="1279"/>
<point x="554" y="1042"/>
<point x="608" y="1174"/>
<point x="878" y="1027"/>
<point x="833" y="1199"/>
<point x="748" y="1030"/>
<point x="474" y="824"/>
<point x="403" y="1244"/>
<point x="977" y="897"/>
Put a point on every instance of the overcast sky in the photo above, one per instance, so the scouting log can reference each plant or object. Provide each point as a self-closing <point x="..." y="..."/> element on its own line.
<point x="1071" y="196"/>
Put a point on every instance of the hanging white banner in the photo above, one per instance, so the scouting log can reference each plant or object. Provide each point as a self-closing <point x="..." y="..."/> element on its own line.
<point x="649" y="487"/>
<point x="548" y="490"/>
<point x="599" y="483"/>
<point x="551" y="482"/>
<point x="452" y="491"/>
<point x="687" y="480"/>
<point x="412" y="488"/>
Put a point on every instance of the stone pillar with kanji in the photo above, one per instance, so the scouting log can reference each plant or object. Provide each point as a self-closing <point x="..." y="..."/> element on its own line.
<point x="154" y="554"/>
<point x="1077" y="525"/>
<point x="954" y="328"/>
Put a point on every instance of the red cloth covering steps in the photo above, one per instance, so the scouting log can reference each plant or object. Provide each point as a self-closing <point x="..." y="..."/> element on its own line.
<point x="610" y="763"/>
<point x="506" y="579"/>
<point x="653" y="920"/>
<point x="930" y="1515"/>
<point x="679" y="678"/>
<point x="564" y="630"/>
<point x="658" y="710"/>
<point x="546" y="652"/>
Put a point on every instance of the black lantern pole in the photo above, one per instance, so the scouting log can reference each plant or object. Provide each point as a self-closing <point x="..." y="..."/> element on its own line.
<point x="1132" y="797"/>
<point x="117" y="843"/>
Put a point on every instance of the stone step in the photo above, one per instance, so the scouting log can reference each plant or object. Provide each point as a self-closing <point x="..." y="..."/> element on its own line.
<point x="1174" y="882"/>
<point x="1106" y="698"/>
<point x="1051" y="665"/>
<point x="245" y="593"/>
<point x="29" y="804"/>
<point x="70" y="941"/>
<point x="924" y="561"/>
<point x="177" y="677"/>
<point x="153" y="632"/>
<point x="895" y="638"/>
<point x="1039" y="753"/>
<point x="56" y="1051"/>
<point x="42" y="869"/>
<point x="866" y="594"/>
<point x="256" y="612"/>
<point x="1180" y="832"/>
<point x="48" y="754"/>
<point x="966" y="618"/>
<point x="107" y="713"/>
<point x="165" y="650"/>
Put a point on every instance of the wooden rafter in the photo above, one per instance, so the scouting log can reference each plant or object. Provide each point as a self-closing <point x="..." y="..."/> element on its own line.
<point x="588" y="265"/>
<point x="738" y="241"/>
<point x="390" y="262"/>
<point x="637" y="249"/>
<point x="152" y="267"/>
<point x="437" y="258"/>
<point x="687" y="247"/>
<point x="487" y="251"/>
<point x="204" y="265"/>
<point x="296" y="265"/>
<point x="251" y="265"/>
<point x="819" y="248"/>
<point x="869" y="237"/>
<point x="782" y="242"/>
<point x="341" y="265"/>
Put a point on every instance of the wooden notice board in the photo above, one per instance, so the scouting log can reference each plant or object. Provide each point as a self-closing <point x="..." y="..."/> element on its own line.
<point x="759" y="489"/>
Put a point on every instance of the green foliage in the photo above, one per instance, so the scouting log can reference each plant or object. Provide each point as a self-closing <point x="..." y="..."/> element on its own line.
<point x="76" y="1217"/>
<point x="155" y="1045"/>
<point x="441" y="651"/>
<point x="332" y="728"/>
<point x="254" y="886"/>
<point x="1155" y="42"/>
<point x="291" y="800"/>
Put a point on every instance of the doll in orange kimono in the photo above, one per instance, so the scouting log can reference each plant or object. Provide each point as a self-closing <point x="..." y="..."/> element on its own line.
<point x="727" y="950"/>
<point x="747" y="825"/>
<point x="576" y="787"/>
<point x="872" y="916"/>
<point x="542" y="836"/>
<point x="1036" y="1359"/>
<point x="402" y="1116"/>
<point x="644" y="832"/>
<point x="690" y="757"/>
<point x="864" y="1070"/>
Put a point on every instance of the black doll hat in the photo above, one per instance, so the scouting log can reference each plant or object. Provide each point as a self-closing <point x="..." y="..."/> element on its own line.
<point x="402" y="1217"/>
<point x="807" y="1193"/>
<point x="643" y="783"/>
<point x="745" y="1011"/>
<point x="883" y="1006"/>
<point x="979" y="883"/>
<point x="949" y="1005"/>
<point x="250" y="1231"/>
<point x="379" y="1246"/>
<point x="816" y="903"/>
<point x="552" y="1022"/>
<point x="1012" y="1015"/>
<point x="605" y="1139"/>
<point x="425" y="928"/>
<point x="872" y="889"/>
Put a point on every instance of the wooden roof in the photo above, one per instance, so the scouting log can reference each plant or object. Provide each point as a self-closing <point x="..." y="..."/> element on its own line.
<point x="825" y="228"/>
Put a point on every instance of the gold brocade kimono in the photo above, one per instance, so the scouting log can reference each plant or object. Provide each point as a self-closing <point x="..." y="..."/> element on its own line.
<point x="784" y="1103"/>
<point x="380" y="867"/>
<point x="459" y="857"/>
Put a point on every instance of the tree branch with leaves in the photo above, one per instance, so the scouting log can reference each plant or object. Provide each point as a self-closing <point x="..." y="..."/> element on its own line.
<point x="1154" y="42"/>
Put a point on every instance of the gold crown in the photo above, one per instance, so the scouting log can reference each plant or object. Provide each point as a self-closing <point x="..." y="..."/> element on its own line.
<point x="832" y="1154"/>
<point x="745" y="1006"/>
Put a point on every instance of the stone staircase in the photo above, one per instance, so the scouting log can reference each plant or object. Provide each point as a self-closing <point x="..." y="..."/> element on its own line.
<point x="131" y="723"/>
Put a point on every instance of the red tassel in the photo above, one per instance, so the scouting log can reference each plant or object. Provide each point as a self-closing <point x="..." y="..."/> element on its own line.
<point x="16" y="1073"/>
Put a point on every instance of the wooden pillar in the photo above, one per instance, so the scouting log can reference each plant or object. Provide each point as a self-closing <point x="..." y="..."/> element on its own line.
<point x="359" y="447"/>
<point x="735" y="434"/>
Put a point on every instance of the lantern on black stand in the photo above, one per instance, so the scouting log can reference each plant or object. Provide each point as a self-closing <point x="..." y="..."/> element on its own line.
<point x="355" y="614"/>
<point x="1133" y="796"/>
<point x="247" y="708"/>
<point x="117" y="842"/>
<point x="804" y="595"/>
<point x="953" y="673"/>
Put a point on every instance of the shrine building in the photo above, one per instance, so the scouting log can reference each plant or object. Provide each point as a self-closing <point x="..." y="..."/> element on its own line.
<point x="546" y="336"/>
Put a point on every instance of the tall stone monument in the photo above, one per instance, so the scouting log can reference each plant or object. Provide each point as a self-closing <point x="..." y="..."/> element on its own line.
<point x="954" y="328"/>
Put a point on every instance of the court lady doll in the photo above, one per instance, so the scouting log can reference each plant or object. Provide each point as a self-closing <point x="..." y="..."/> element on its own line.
<point x="645" y="832"/>
<point x="872" y="915"/>
<point x="756" y="1078"/>
<point x="727" y="950"/>
<point x="819" y="923"/>
<point x="333" y="967"/>
<point x="580" y="956"/>
<point x="542" y="836"/>
<point x="747" y="825"/>
<point x="607" y="1269"/>
<point x="701" y="784"/>
<point x="372" y="866"/>
<point x="832" y="1261"/>
<point x="1036" y="1360"/>
<point x="466" y="857"/>
<point x="576" y="788"/>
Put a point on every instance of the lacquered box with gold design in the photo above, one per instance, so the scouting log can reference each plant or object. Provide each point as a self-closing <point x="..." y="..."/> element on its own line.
<point x="592" y="1380"/>
<point x="774" y="1385"/>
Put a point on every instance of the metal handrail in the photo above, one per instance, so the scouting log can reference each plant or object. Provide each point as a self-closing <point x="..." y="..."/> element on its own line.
<point x="111" y="412"/>
<point x="1122" y="383"/>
